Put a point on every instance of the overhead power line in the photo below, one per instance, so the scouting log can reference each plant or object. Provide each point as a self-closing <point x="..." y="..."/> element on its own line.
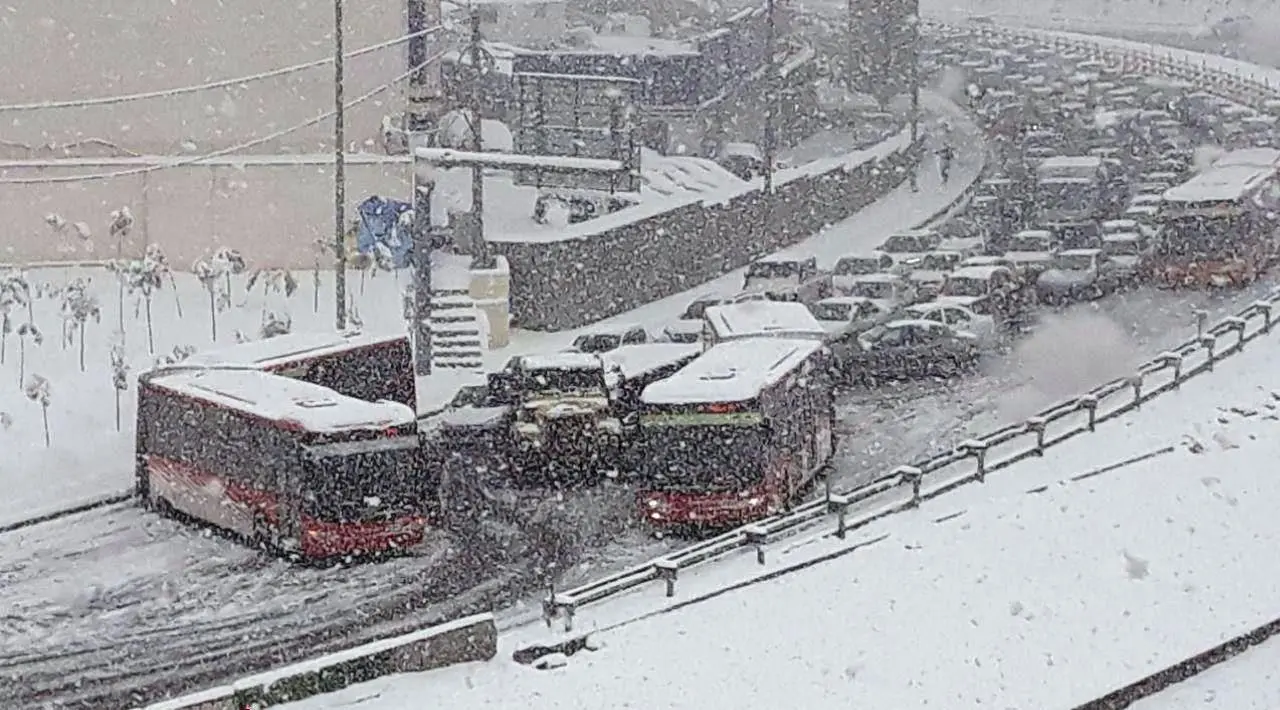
<point x="220" y="84"/>
<point x="197" y="159"/>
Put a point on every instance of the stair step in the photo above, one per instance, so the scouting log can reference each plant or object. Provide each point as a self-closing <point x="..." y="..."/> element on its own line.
<point x="455" y="332"/>
<point x="458" y="365"/>
<point x="458" y="353"/>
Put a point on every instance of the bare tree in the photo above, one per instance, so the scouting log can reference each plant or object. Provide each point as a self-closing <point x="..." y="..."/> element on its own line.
<point x="26" y="332"/>
<point x="78" y="308"/>
<point x="119" y="377"/>
<point x="119" y="227"/>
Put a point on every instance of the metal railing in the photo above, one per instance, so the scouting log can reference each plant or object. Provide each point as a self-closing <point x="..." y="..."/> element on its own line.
<point x="971" y="461"/>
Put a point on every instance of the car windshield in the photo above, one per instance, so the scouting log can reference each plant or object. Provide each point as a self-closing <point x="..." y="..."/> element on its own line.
<point x="881" y="290"/>
<point x="939" y="262"/>
<point x="1029" y="244"/>
<point x="833" y="311"/>
<point x="597" y="342"/>
<point x="857" y="266"/>
<point x="909" y="244"/>
<point x="702" y="457"/>
<point x="564" y="380"/>
<point x="966" y="286"/>
<point x="1074" y="262"/>
<point x="365" y="486"/>
<point x="1122" y="247"/>
<point x="774" y="270"/>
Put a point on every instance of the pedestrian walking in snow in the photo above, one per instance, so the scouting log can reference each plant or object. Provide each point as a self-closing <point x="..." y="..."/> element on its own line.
<point x="945" y="156"/>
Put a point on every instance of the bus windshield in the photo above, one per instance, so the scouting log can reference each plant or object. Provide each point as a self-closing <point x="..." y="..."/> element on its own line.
<point x="367" y="484"/>
<point x="704" y="458"/>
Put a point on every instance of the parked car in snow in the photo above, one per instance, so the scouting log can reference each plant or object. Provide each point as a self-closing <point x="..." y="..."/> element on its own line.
<point x="847" y="317"/>
<point x="965" y="246"/>
<point x="602" y="339"/>
<point x="990" y="290"/>
<point x="910" y="349"/>
<point x="909" y="247"/>
<point x="1130" y="253"/>
<point x="1078" y="275"/>
<point x="958" y="317"/>
<point x="849" y="267"/>
<point x="931" y="272"/>
<point x="890" y="291"/>
<point x="778" y="274"/>
<point x="688" y="329"/>
<point x="1031" y="251"/>
<point x="1127" y="226"/>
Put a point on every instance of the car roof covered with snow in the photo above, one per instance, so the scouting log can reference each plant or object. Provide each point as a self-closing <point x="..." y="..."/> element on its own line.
<point x="290" y="347"/>
<point x="979" y="272"/>
<point x="618" y="329"/>
<point x="561" y="361"/>
<point x="635" y="360"/>
<point x="732" y="372"/>
<point x="762" y="318"/>
<point x="282" y="399"/>
<point x="1080" y="252"/>
<point x="878" y="278"/>
<point x="1122" y="237"/>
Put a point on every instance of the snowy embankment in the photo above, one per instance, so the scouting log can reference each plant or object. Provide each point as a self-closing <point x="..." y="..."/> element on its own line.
<point x="1029" y="591"/>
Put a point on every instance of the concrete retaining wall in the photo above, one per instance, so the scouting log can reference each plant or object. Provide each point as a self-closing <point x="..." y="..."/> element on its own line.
<point x="474" y="638"/>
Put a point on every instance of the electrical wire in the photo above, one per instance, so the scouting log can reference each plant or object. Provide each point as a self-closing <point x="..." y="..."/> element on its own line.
<point x="221" y="83"/>
<point x="195" y="160"/>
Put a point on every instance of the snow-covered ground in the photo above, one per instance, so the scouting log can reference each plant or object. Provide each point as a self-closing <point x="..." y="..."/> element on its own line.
<point x="1250" y="681"/>
<point x="993" y="594"/>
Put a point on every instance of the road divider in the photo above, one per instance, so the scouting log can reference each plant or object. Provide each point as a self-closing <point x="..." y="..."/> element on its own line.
<point x="473" y="638"/>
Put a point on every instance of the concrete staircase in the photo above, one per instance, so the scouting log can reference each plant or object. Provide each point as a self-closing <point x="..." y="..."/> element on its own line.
<point x="457" y="333"/>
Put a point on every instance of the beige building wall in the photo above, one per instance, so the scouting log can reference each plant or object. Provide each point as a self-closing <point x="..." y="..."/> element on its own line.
<point x="271" y="209"/>
<point x="75" y="49"/>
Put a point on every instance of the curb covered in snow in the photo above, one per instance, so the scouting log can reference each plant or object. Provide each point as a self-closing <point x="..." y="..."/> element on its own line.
<point x="473" y="638"/>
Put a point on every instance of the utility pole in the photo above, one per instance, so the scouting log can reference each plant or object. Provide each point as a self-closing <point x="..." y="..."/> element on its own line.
<point x="418" y="118"/>
<point x="914" y="20"/>
<point x="479" y="247"/>
<point x="339" y="172"/>
<point x="770" y="94"/>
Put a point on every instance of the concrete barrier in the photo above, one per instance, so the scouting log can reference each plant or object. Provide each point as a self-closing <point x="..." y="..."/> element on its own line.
<point x="474" y="638"/>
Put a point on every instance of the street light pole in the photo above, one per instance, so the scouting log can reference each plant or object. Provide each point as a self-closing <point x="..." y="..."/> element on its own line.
<point x="914" y="20"/>
<point x="339" y="172"/>
<point x="479" y="248"/>
<point x="770" y="97"/>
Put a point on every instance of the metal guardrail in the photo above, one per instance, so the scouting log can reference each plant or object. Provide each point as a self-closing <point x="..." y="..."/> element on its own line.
<point x="906" y="486"/>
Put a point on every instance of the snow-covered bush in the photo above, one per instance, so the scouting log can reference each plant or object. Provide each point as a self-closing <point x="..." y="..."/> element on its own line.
<point x="277" y="286"/>
<point x="119" y="377"/>
<point x="142" y="278"/>
<point x="79" y="306"/>
<point x="274" y="324"/>
<point x="37" y="390"/>
<point x="27" y="332"/>
<point x="211" y="278"/>
<point x="177" y="355"/>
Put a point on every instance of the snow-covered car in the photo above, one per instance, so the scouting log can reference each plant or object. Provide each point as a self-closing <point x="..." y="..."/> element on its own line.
<point x="782" y="274"/>
<point x="851" y="266"/>
<point x="603" y="339"/>
<point x="964" y="246"/>
<point x="1129" y="253"/>
<point x="1077" y="275"/>
<point x="907" y="248"/>
<point x="890" y="291"/>
<point x="910" y="349"/>
<point x="1127" y="226"/>
<point x="931" y="273"/>
<point x="1030" y="251"/>
<point x="846" y="317"/>
<point x="990" y="290"/>
<point x="683" y="331"/>
<point x="956" y="316"/>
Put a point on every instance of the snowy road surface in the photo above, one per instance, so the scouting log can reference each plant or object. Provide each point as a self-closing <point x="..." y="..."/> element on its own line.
<point x="963" y="604"/>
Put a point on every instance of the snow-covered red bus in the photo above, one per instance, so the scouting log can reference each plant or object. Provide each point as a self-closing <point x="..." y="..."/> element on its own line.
<point x="289" y="465"/>
<point x="1219" y="228"/>
<point x="359" y="365"/>
<point x="736" y="435"/>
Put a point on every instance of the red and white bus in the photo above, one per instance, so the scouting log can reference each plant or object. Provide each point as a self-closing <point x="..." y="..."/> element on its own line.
<point x="289" y="465"/>
<point x="1219" y="228"/>
<point x="368" y="367"/>
<point x="737" y="435"/>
